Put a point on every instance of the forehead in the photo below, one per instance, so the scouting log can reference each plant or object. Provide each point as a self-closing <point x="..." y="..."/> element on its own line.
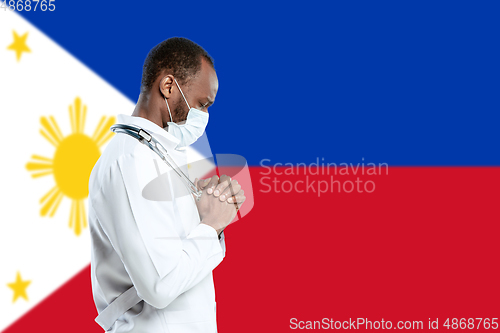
<point x="205" y="84"/>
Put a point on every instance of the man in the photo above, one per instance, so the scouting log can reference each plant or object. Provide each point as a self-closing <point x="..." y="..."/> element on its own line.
<point x="154" y="246"/>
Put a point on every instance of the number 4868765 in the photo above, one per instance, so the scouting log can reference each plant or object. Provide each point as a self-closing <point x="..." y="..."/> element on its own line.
<point x="471" y="323"/>
<point x="28" y="5"/>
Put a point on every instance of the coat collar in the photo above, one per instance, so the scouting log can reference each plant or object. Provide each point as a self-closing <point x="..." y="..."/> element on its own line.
<point x="165" y="138"/>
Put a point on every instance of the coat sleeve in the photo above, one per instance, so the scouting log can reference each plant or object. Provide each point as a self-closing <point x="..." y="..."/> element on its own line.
<point x="161" y="263"/>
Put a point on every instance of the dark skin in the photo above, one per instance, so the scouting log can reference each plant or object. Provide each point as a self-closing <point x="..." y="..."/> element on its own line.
<point x="200" y="92"/>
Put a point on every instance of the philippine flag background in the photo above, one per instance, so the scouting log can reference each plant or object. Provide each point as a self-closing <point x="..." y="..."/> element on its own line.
<point x="371" y="129"/>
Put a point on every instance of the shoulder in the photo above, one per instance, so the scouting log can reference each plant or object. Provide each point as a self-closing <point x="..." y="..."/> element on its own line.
<point x="134" y="166"/>
<point x="121" y="153"/>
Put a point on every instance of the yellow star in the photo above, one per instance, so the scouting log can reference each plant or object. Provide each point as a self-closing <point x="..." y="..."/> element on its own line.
<point x="19" y="44"/>
<point x="19" y="287"/>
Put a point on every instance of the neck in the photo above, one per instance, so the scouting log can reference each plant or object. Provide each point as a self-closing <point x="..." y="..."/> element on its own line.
<point x="149" y="108"/>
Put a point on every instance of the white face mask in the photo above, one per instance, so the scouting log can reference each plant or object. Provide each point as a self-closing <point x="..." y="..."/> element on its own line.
<point x="194" y="127"/>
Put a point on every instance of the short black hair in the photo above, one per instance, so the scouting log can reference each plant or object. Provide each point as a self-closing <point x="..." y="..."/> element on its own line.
<point x="178" y="56"/>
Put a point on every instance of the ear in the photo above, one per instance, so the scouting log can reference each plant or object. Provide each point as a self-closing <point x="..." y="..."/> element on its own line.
<point x="166" y="85"/>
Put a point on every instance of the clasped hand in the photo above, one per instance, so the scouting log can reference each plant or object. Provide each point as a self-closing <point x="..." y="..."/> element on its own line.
<point x="220" y="200"/>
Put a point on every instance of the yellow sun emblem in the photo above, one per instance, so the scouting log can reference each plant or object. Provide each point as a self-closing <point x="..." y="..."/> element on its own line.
<point x="74" y="158"/>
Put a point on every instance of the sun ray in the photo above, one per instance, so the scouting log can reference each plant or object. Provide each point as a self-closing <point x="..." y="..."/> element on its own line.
<point x="77" y="116"/>
<point x="78" y="110"/>
<point x="48" y="194"/>
<point x="52" y="131"/>
<point x="46" y="136"/>
<point x="84" y="116"/>
<point x="56" y="127"/>
<point x="59" y="198"/>
<point x="41" y="174"/>
<point x="102" y="132"/>
<point x="77" y="218"/>
<point x="80" y="217"/>
<point x="49" y="200"/>
<point x="72" y="118"/>
<point x="41" y="158"/>
<point x="83" y="215"/>
<point x="72" y="214"/>
<point x="98" y="129"/>
<point x="38" y="164"/>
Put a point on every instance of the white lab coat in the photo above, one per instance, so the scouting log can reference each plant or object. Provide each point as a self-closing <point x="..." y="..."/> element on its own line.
<point x="151" y="239"/>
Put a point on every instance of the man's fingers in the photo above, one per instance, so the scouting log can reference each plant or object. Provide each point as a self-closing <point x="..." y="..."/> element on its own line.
<point x="223" y="183"/>
<point x="235" y="198"/>
<point x="239" y="198"/>
<point x="212" y="183"/>
<point x="224" y="178"/>
<point x="202" y="183"/>
<point x="230" y="190"/>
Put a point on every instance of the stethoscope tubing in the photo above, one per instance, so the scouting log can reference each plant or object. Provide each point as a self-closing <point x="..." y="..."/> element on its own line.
<point x="148" y="139"/>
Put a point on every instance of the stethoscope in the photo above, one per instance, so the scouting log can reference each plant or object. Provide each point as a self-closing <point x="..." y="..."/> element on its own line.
<point x="147" y="139"/>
